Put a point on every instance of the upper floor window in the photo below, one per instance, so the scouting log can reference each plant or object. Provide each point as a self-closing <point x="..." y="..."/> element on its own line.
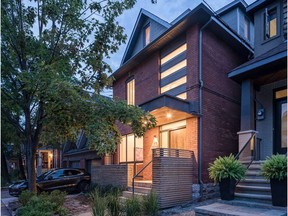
<point x="147" y="38"/>
<point x="130" y="88"/>
<point x="271" y="23"/>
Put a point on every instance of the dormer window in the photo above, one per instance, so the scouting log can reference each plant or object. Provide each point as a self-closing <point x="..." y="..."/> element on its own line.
<point x="147" y="38"/>
<point x="271" y="22"/>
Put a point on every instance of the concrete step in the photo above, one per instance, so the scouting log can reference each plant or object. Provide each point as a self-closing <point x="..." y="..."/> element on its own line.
<point x="253" y="189"/>
<point x="143" y="190"/>
<point x="256" y="182"/>
<point x="253" y="196"/>
<point x="227" y="209"/>
<point x="129" y="194"/>
<point x="147" y="184"/>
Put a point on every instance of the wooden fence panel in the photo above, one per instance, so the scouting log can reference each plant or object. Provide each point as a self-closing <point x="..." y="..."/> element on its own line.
<point x="172" y="176"/>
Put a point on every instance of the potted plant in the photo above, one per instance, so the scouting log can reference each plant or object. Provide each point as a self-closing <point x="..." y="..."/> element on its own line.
<point x="275" y="169"/>
<point x="226" y="170"/>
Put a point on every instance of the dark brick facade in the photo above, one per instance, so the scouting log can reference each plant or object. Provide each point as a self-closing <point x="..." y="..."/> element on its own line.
<point x="221" y="97"/>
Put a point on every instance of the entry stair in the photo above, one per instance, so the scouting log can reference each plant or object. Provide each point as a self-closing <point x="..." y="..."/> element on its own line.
<point x="254" y="187"/>
<point x="141" y="188"/>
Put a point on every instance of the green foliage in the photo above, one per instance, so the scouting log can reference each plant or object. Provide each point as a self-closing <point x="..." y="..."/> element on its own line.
<point x="226" y="167"/>
<point x="99" y="203"/>
<point x="113" y="204"/>
<point x="275" y="167"/>
<point x="25" y="197"/>
<point x="53" y="53"/>
<point x="150" y="204"/>
<point x="44" y="204"/>
<point x="133" y="207"/>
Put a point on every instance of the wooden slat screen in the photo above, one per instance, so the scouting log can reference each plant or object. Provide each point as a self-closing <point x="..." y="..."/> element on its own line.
<point x="172" y="176"/>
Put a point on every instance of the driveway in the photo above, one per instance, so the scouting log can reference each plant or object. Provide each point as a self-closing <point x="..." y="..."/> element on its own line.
<point x="5" y="199"/>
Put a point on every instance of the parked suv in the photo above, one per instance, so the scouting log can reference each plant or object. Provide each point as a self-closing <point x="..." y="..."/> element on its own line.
<point x="58" y="179"/>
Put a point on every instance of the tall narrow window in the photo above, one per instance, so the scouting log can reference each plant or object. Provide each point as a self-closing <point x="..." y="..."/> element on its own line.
<point x="147" y="38"/>
<point x="270" y="23"/>
<point x="131" y="92"/>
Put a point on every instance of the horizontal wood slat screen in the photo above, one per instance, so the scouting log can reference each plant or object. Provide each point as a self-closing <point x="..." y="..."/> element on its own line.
<point x="172" y="176"/>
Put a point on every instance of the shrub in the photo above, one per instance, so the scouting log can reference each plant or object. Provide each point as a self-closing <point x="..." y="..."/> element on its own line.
<point x="150" y="204"/>
<point x="25" y="197"/>
<point x="275" y="167"/>
<point x="44" y="204"/>
<point x="133" y="207"/>
<point x="113" y="204"/>
<point x="99" y="203"/>
<point x="226" y="167"/>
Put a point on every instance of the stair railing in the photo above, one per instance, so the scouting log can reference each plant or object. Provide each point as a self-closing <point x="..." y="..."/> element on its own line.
<point x="248" y="152"/>
<point x="137" y="174"/>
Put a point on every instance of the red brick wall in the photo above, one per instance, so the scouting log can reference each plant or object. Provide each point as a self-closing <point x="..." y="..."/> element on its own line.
<point x="192" y="63"/>
<point x="221" y="101"/>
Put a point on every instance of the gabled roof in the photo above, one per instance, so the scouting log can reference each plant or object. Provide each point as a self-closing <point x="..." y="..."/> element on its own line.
<point x="142" y="17"/>
<point x="200" y="15"/>
<point x="258" y="4"/>
<point x="234" y="4"/>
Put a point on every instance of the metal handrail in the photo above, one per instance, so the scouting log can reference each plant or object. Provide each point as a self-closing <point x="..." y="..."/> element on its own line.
<point x="246" y="144"/>
<point x="237" y="156"/>
<point x="133" y="178"/>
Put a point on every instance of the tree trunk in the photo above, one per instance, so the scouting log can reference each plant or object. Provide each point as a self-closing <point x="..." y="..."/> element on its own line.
<point x="4" y="168"/>
<point x="31" y="166"/>
<point x="21" y="167"/>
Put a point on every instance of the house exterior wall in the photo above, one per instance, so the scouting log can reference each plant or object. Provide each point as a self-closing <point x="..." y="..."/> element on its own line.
<point x="261" y="45"/>
<point x="265" y="127"/>
<point x="221" y="100"/>
<point x="155" y="30"/>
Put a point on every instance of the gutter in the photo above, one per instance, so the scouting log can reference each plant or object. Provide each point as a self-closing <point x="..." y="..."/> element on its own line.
<point x="200" y="132"/>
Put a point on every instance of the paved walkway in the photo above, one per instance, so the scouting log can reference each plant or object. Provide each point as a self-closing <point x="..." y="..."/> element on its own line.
<point x="219" y="208"/>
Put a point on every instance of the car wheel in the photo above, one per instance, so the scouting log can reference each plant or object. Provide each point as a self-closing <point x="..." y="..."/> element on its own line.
<point x="83" y="186"/>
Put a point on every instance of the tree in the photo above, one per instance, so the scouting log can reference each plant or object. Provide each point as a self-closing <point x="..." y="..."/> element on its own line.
<point x="53" y="52"/>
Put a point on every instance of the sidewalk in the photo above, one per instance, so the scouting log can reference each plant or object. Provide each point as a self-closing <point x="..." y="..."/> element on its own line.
<point x="4" y="210"/>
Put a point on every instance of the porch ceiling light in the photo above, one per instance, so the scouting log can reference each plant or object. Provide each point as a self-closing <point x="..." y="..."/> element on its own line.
<point x="168" y="115"/>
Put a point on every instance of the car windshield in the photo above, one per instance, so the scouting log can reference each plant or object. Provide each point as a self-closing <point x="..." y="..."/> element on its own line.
<point x="42" y="176"/>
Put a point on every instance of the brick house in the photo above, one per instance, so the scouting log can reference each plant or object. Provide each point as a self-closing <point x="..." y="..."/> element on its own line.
<point x="178" y="72"/>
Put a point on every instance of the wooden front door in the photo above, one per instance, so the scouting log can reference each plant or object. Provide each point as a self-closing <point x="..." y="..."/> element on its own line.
<point x="177" y="138"/>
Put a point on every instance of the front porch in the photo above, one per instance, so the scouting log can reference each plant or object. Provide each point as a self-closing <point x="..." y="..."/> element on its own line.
<point x="172" y="173"/>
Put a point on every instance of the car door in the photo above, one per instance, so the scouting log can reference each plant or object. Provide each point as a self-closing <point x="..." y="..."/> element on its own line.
<point x="52" y="181"/>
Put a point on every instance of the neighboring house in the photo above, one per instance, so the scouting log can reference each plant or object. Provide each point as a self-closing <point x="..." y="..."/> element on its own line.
<point x="178" y="72"/>
<point x="78" y="155"/>
<point x="263" y="80"/>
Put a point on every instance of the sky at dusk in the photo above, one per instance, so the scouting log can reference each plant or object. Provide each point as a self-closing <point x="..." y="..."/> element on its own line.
<point x="167" y="10"/>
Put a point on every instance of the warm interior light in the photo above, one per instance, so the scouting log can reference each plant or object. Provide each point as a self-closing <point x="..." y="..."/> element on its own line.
<point x="50" y="155"/>
<point x="173" y="69"/>
<point x="169" y="115"/>
<point x="174" y="53"/>
<point x="174" y="84"/>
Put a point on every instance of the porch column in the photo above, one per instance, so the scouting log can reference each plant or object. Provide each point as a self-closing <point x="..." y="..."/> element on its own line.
<point x="247" y="105"/>
<point x="247" y="113"/>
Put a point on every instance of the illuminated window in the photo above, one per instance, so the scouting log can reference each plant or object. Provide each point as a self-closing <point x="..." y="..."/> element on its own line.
<point x="174" y="84"/>
<point x="173" y="69"/>
<point x="182" y="96"/>
<point x="131" y="92"/>
<point x="174" y="53"/>
<point x="270" y="23"/>
<point x="127" y="146"/>
<point x="147" y="38"/>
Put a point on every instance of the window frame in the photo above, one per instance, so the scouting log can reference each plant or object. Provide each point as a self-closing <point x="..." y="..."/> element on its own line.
<point x="128" y="96"/>
<point x="275" y="7"/>
<point x="147" y="26"/>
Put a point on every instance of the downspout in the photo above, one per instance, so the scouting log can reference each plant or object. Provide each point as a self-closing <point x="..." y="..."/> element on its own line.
<point x="200" y="110"/>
